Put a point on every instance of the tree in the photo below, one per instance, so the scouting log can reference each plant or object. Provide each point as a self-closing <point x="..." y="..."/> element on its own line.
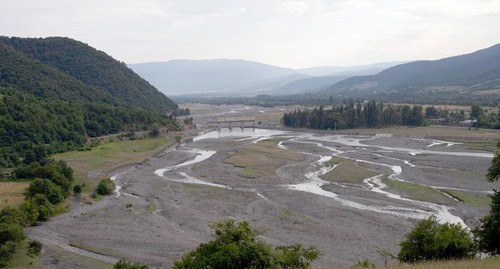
<point x="476" y="112"/>
<point x="488" y="233"/>
<point x="238" y="246"/>
<point x="430" y="240"/>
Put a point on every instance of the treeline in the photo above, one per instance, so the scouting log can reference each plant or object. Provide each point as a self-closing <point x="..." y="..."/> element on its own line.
<point x="50" y="185"/>
<point x="32" y="128"/>
<point x="351" y="115"/>
<point x="374" y="115"/>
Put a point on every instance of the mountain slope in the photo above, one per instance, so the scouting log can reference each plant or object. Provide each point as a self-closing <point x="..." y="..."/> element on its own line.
<point x="188" y="76"/>
<point x="308" y="85"/>
<point x="357" y="70"/>
<point x="94" y="68"/>
<point x="56" y="105"/>
<point x="446" y="78"/>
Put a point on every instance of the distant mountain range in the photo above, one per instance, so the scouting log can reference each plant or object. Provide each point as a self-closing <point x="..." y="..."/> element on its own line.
<point x="468" y="78"/>
<point x="474" y="76"/>
<point x="239" y="77"/>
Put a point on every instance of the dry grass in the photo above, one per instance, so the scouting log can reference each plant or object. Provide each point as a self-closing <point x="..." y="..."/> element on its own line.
<point x="262" y="158"/>
<point x="103" y="158"/>
<point x="347" y="171"/>
<point x="489" y="263"/>
<point x="12" y="193"/>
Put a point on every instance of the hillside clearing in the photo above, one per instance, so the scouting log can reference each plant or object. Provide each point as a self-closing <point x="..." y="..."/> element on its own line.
<point x="12" y="193"/>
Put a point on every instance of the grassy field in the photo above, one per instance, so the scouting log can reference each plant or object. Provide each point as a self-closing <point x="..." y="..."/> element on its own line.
<point x="418" y="192"/>
<point x="489" y="145"/>
<point x="103" y="158"/>
<point x="347" y="171"/>
<point x="262" y="158"/>
<point x="470" y="199"/>
<point x="21" y="259"/>
<point x="11" y="193"/>
<point x="489" y="263"/>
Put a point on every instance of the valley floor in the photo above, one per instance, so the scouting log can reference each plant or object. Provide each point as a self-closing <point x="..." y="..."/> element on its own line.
<point x="285" y="182"/>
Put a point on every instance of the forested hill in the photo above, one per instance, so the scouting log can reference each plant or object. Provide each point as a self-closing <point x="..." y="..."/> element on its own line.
<point x="472" y="77"/>
<point x="55" y="93"/>
<point x="103" y="76"/>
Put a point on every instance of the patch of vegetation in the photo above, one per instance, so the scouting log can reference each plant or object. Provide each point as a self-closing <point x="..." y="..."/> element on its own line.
<point x="34" y="248"/>
<point x="105" y="187"/>
<point x="237" y="245"/>
<point x="469" y="199"/>
<point x="262" y="158"/>
<point x="290" y="216"/>
<point x="363" y="264"/>
<point x="123" y="264"/>
<point x="347" y="171"/>
<point x="107" y="156"/>
<point x="21" y="258"/>
<point x="489" y="146"/>
<point x="430" y="240"/>
<point x="417" y="192"/>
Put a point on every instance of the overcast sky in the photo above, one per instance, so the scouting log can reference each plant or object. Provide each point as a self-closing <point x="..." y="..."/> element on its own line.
<point x="289" y="33"/>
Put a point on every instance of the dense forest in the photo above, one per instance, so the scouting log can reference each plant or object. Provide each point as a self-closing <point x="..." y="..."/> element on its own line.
<point x="56" y="92"/>
<point x="374" y="115"/>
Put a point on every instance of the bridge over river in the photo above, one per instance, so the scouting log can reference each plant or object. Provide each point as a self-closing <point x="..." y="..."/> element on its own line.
<point x="230" y="122"/>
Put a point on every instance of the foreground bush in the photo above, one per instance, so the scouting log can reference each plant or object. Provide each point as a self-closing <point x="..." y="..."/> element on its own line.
<point x="237" y="246"/>
<point x="430" y="240"/>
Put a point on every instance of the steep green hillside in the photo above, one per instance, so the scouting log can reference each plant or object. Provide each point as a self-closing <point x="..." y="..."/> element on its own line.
<point x="61" y="92"/>
<point x="94" y="68"/>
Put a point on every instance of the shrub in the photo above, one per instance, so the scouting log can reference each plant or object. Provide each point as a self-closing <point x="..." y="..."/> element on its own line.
<point x="364" y="264"/>
<point x="430" y="240"/>
<point x="13" y="216"/>
<point x="35" y="248"/>
<point x="105" y="187"/>
<point x="296" y="256"/>
<point x="123" y="264"/>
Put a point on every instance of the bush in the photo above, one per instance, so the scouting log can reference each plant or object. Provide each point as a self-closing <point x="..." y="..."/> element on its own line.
<point x="10" y="235"/>
<point x="35" y="248"/>
<point x="13" y="216"/>
<point x="105" y="187"/>
<point x="364" y="264"/>
<point x="46" y="188"/>
<point x="123" y="264"/>
<point x="430" y="240"/>
<point x="58" y="172"/>
<point x="296" y="256"/>
<point x="238" y="246"/>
